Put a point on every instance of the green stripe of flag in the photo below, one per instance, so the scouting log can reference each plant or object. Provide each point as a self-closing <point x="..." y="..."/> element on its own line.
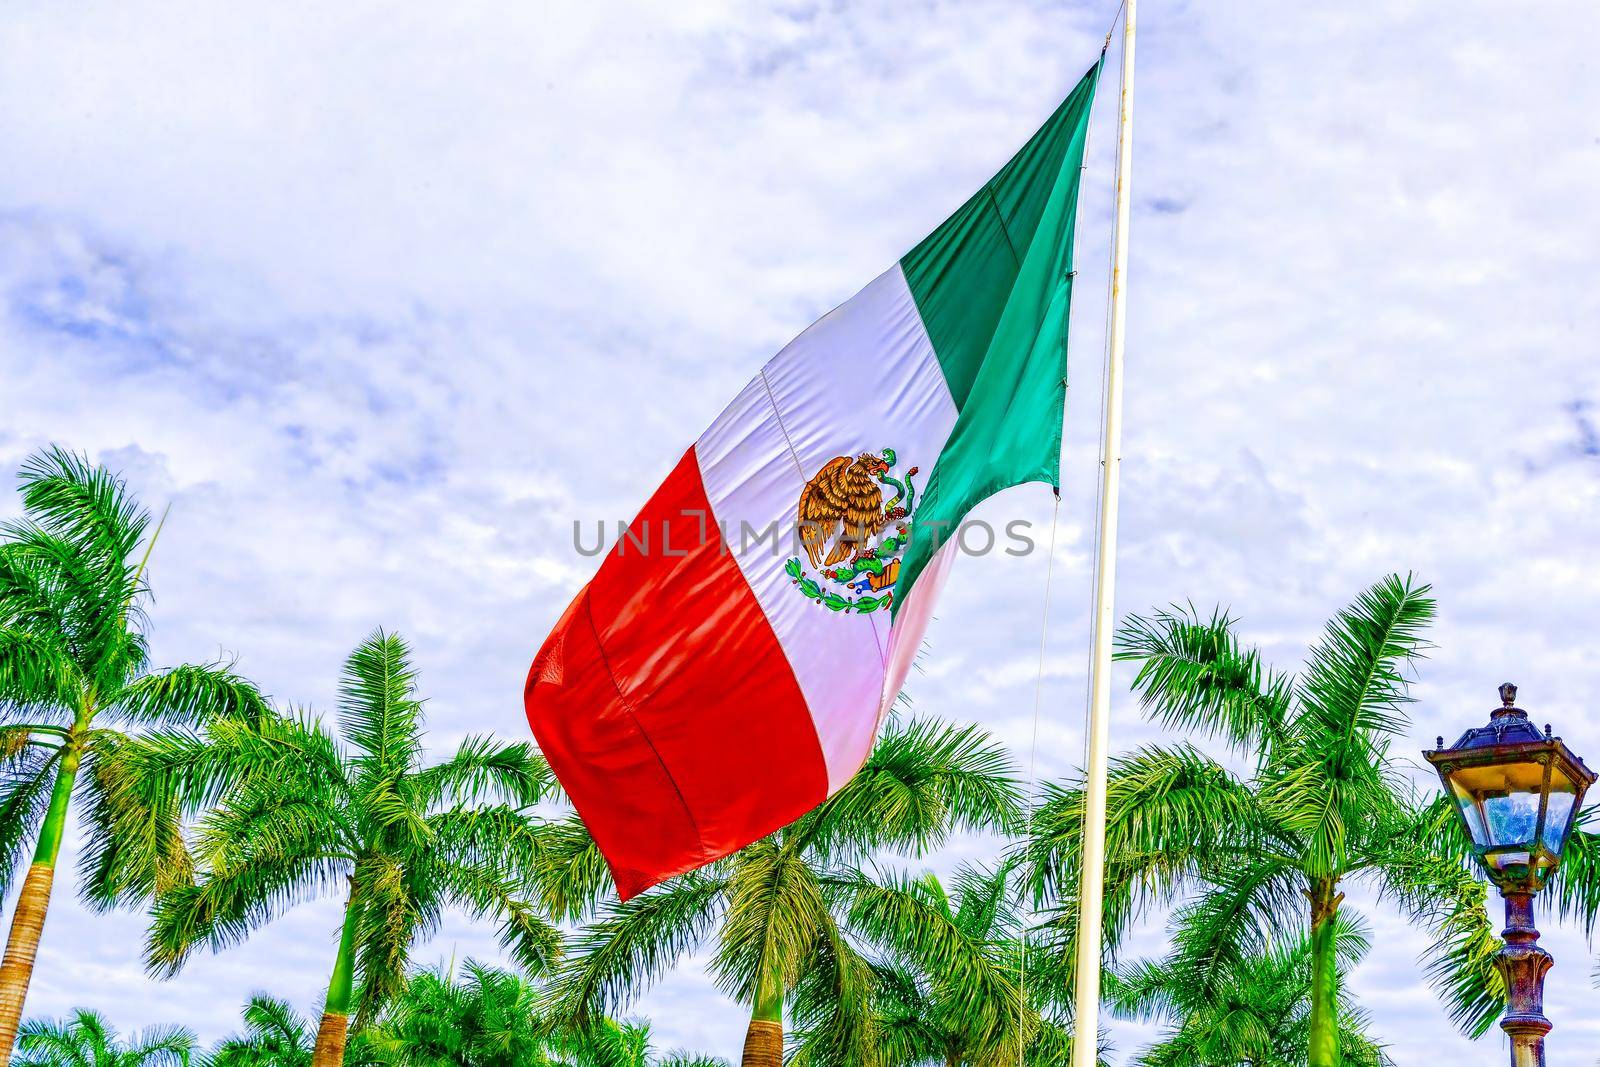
<point x="993" y="285"/>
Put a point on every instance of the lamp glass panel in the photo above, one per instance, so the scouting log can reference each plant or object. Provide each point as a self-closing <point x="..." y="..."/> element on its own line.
<point x="1471" y="813"/>
<point x="1563" y="797"/>
<point x="1512" y="817"/>
<point x="1507" y="797"/>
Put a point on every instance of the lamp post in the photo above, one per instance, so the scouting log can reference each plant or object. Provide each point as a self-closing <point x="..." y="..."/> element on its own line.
<point x="1518" y="791"/>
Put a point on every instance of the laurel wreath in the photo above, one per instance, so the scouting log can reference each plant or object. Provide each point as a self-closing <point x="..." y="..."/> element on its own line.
<point x="865" y="604"/>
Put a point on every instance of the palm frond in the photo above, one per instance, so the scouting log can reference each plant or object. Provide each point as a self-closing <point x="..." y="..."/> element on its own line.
<point x="1332" y="774"/>
<point x="379" y="710"/>
<point x="1051" y="1044"/>
<point x="81" y="502"/>
<point x="487" y="1016"/>
<point x="75" y="1042"/>
<point x="398" y="905"/>
<point x="387" y="812"/>
<point x="692" y="1059"/>
<point x="268" y="1015"/>
<point x="1171" y="812"/>
<point x="572" y="876"/>
<point x="1355" y="687"/>
<point x="1239" y="916"/>
<point x="58" y="589"/>
<point x="1148" y="990"/>
<point x="35" y="594"/>
<point x="236" y="760"/>
<point x="1195" y="675"/>
<point x="256" y="783"/>
<point x="1175" y="818"/>
<point x="485" y="892"/>
<point x="275" y="1035"/>
<point x="135" y="845"/>
<point x="188" y="695"/>
<point x="1251" y="1007"/>
<point x="86" y="1039"/>
<point x="838" y="1012"/>
<point x="975" y="987"/>
<point x="923" y="781"/>
<point x="1421" y="859"/>
<point x="83" y="519"/>
<point x="485" y="769"/>
<point x="608" y="1043"/>
<point x="509" y="838"/>
<point x="159" y="1046"/>
<point x="984" y="898"/>
<point x="1316" y="808"/>
<point x="775" y="914"/>
<point x="258" y="826"/>
<point x="37" y="675"/>
<point x="430" y="1023"/>
<point x="224" y="908"/>
<point x="1461" y="963"/>
<point x="630" y="944"/>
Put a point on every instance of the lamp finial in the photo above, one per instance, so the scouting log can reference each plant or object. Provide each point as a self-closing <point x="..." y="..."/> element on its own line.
<point x="1508" y="694"/>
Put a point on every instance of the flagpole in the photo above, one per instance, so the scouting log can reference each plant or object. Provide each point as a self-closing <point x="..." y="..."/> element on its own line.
<point x="1085" y="1046"/>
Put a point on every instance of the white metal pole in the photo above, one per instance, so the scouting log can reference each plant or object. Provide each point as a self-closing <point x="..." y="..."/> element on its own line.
<point x="1092" y="887"/>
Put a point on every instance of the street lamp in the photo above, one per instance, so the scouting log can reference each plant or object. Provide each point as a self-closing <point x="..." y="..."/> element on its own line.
<point x="1518" y="792"/>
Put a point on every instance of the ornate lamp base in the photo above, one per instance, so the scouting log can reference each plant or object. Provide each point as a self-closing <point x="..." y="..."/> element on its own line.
<point x="1522" y="963"/>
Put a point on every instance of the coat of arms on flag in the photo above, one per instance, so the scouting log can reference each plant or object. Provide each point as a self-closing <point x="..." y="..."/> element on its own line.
<point x="850" y="534"/>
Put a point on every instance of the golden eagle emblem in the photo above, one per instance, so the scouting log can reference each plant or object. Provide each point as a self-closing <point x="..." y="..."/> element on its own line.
<point x="842" y="518"/>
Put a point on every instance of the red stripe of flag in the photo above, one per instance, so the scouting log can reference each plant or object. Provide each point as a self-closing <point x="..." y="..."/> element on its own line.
<point x="666" y="706"/>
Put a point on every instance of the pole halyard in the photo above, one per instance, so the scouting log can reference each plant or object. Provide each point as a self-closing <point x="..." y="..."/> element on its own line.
<point x="1092" y="886"/>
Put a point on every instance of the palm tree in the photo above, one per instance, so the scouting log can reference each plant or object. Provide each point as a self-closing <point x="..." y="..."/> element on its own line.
<point x="946" y="988"/>
<point x="488" y="1019"/>
<point x="275" y="1035"/>
<point x="1324" y="803"/>
<point x="74" y="675"/>
<point x="300" y="813"/>
<point x="1222" y="1006"/>
<point x="608" y="1043"/>
<point x="780" y="908"/>
<point x="496" y="1018"/>
<point x="87" y="1040"/>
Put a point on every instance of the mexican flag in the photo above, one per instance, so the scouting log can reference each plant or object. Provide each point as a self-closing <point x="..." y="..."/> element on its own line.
<point x="727" y="668"/>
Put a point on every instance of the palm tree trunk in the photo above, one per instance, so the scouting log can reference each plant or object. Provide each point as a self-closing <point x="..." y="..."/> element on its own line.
<point x="335" y="1025"/>
<point x="1323" y="1046"/>
<point x="763" y="1041"/>
<point x="27" y="923"/>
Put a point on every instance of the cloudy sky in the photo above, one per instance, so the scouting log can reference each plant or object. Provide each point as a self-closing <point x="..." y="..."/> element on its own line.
<point x="380" y="298"/>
